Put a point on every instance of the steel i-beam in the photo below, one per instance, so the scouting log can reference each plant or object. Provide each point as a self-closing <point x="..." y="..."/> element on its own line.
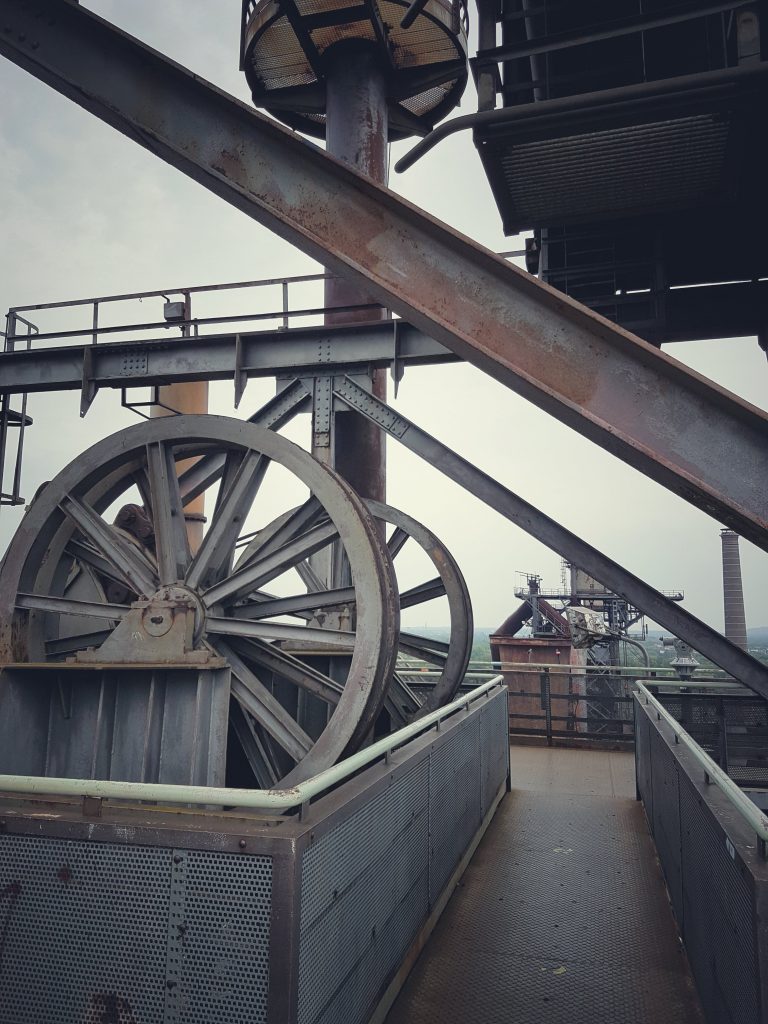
<point x="615" y="578"/>
<point x="640" y="404"/>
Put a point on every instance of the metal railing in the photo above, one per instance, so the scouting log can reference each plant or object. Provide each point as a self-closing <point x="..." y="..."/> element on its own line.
<point x="282" y="312"/>
<point x="542" y="43"/>
<point x="713" y="774"/>
<point x="268" y="800"/>
<point x="572" y="705"/>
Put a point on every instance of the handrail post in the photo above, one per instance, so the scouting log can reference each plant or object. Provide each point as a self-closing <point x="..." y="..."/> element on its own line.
<point x="546" y="688"/>
<point x="285" y="306"/>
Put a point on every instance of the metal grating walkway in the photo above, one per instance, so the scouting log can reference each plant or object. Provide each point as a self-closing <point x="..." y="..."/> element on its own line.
<point x="562" y="915"/>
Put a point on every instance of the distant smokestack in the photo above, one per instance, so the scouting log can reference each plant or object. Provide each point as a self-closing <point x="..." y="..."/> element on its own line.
<point x="733" y="594"/>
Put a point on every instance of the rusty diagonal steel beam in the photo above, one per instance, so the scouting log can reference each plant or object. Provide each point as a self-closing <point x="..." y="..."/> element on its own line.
<point x="615" y="578"/>
<point x="638" y="403"/>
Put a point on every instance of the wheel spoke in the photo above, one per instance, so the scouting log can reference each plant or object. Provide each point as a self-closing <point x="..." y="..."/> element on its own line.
<point x="76" y="642"/>
<point x="256" y="699"/>
<point x="66" y="606"/>
<point x="282" y="530"/>
<point x="132" y="568"/>
<point x="396" y="541"/>
<point x="274" y="414"/>
<point x="171" y="543"/>
<point x="306" y="603"/>
<point x="129" y="563"/>
<point x="87" y="555"/>
<point x="308" y="576"/>
<point x="253" y="748"/>
<point x="141" y="480"/>
<point x="424" y="592"/>
<point x="403" y="696"/>
<point x="218" y="545"/>
<point x="428" y="642"/>
<point x="280" y="631"/>
<point x="422" y="648"/>
<point x="291" y="669"/>
<point x="262" y="570"/>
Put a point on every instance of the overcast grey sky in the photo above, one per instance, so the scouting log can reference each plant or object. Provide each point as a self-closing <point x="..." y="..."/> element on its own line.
<point x="86" y="212"/>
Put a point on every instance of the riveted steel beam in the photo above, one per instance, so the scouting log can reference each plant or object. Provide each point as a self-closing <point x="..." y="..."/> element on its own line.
<point x="145" y="362"/>
<point x="614" y="577"/>
<point x="643" y="406"/>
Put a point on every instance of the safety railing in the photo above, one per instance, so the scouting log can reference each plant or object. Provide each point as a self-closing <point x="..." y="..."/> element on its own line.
<point x="536" y="41"/>
<point x="571" y="705"/>
<point x="282" y="312"/>
<point x="13" y="418"/>
<point x="713" y="774"/>
<point x="267" y="800"/>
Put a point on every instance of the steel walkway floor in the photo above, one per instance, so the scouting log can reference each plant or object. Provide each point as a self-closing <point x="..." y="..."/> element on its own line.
<point x="562" y="915"/>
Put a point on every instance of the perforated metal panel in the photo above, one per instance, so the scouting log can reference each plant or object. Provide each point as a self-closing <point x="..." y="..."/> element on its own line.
<point x="364" y="896"/>
<point x="711" y="888"/>
<point x="218" y="940"/>
<point x="454" y="803"/>
<point x="83" y="929"/>
<point x="666" y="819"/>
<point x="369" y="883"/>
<point x="718" y="917"/>
<point x="494" y="748"/>
<point x="99" y="932"/>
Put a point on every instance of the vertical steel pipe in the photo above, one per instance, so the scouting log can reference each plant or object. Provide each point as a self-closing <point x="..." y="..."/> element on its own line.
<point x="356" y="132"/>
<point x="189" y="397"/>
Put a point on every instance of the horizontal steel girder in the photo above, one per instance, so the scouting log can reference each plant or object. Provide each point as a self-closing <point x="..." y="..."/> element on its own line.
<point x="643" y="406"/>
<point x="614" y="577"/>
<point x="237" y="357"/>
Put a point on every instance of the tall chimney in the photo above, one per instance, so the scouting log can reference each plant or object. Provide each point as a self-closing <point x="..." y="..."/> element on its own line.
<point x="733" y="594"/>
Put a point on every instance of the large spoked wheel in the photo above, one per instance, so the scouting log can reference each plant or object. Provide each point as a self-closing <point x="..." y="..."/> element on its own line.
<point x="70" y="526"/>
<point x="449" y="655"/>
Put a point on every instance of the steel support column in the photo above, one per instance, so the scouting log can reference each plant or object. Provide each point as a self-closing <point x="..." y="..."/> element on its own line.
<point x="615" y="578"/>
<point x="643" y="406"/>
<point x="356" y="132"/>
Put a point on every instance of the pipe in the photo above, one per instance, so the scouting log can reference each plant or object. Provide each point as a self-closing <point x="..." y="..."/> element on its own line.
<point x="189" y="397"/>
<point x="357" y="132"/>
<point x="640" y="647"/>
<point x="595" y="102"/>
<point x="253" y="799"/>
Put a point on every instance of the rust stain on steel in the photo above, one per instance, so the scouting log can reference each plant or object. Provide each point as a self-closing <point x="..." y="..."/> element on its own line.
<point x="64" y="874"/>
<point x="108" y="1008"/>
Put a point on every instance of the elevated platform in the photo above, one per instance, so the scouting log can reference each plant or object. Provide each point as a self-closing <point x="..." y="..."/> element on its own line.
<point x="562" y="914"/>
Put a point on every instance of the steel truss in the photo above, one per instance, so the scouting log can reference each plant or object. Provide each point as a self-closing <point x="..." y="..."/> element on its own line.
<point x="641" y="405"/>
<point x="459" y="300"/>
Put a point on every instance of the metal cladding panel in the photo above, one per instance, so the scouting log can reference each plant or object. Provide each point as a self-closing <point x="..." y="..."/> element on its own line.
<point x="666" y="819"/>
<point x="364" y="895"/>
<point x="605" y="173"/>
<point x="218" y="938"/>
<point x="712" y="890"/>
<point x="494" y="749"/>
<point x="94" y="932"/>
<point x="454" y="803"/>
<point x="368" y="884"/>
<point x="718" y="916"/>
<point x="643" y="764"/>
<point x="84" y="931"/>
